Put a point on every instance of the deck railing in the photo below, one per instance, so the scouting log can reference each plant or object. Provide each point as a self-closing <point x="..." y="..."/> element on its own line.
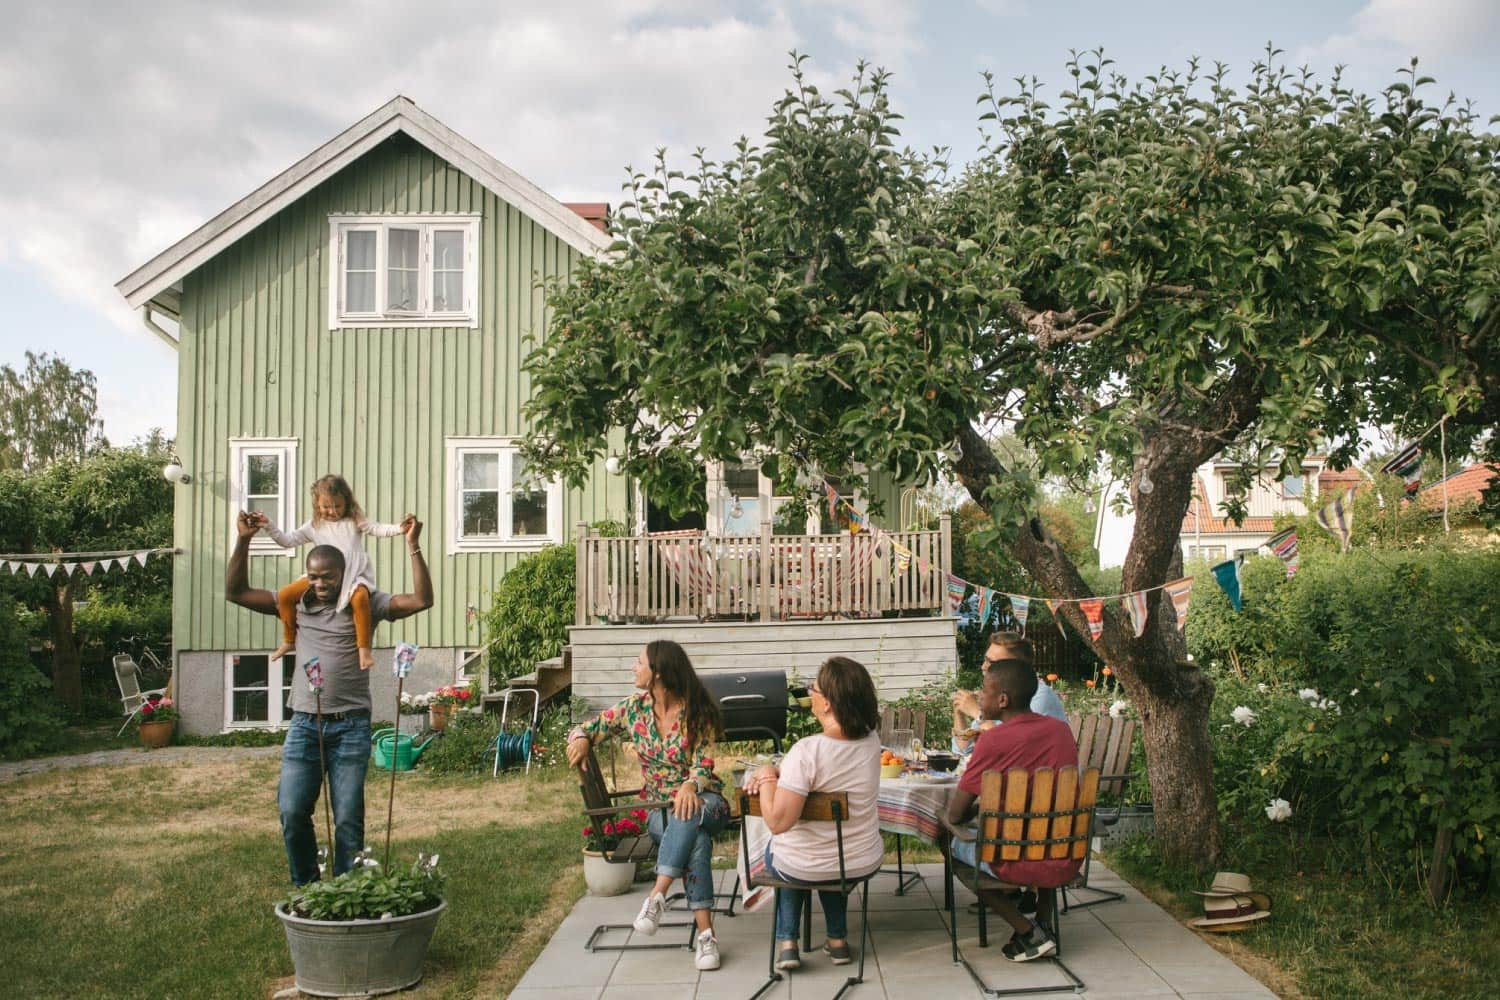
<point x="693" y="575"/>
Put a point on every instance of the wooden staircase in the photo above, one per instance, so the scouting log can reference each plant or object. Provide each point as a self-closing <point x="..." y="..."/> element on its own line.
<point x="549" y="679"/>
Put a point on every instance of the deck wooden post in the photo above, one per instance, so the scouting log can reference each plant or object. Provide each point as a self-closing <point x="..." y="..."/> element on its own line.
<point x="765" y="568"/>
<point x="945" y="560"/>
<point x="582" y="580"/>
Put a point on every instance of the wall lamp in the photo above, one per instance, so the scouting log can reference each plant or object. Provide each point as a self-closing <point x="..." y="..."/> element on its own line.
<point x="174" y="473"/>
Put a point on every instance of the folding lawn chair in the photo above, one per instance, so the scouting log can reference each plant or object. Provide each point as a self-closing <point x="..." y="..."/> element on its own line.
<point x="128" y="677"/>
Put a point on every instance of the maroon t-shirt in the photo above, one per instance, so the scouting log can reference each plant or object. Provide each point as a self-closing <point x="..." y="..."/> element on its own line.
<point x="1030" y="741"/>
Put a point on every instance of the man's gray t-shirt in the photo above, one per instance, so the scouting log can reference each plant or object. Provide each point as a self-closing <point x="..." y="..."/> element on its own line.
<point x="329" y="635"/>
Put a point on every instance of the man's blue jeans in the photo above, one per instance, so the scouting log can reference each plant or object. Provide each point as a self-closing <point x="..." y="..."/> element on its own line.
<point x="685" y="848"/>
<point x="346" y="747"/>
<point x="789" y="903"/>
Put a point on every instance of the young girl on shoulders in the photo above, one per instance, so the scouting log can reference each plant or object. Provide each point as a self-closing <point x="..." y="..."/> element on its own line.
<point x="339" y="521"/>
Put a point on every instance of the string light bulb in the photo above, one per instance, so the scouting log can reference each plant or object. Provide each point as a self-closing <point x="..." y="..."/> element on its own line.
<point x="1146" y="485"/>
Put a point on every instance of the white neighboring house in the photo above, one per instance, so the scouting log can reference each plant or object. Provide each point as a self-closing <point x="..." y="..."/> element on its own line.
<point x="1206" y="532"/>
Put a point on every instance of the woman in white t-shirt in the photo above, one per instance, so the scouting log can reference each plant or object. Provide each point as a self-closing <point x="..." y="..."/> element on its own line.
<point x="844" y="757"/>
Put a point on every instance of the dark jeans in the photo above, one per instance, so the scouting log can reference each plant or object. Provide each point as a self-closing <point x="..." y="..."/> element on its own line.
<point x="346" y="747"/>
<point x="686" y="848"/>
<point x="789" y="903"/>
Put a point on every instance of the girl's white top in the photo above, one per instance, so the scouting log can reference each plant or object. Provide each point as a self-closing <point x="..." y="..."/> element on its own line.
<point x="348" y="537"/>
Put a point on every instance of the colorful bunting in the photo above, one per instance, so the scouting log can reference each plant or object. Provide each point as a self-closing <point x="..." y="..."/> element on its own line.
<point x="140" y="558"/>
<point x="1408" y="465"/>
<point x="957" y="588"/>
<point x="1284" y="544"/>
<point x="1135" y="607"/>
<point x="1020" y="607"/>
<point x="986" y="603"/>
<point x="1337" y="518"/>
<point x="1093" y="610"/>
<point x="856" y="521"/>
<point x="903" y="557"/>
<point x="1180" y="591"/>
<point x="32" y="565"/>
<point x="1052" y="606"/>
<point x="833" y="502"/>
<point x="1228" y="575"/>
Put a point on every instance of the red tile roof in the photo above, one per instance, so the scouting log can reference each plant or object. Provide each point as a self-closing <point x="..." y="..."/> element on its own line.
<point x="596" y="212"/>
<point x="1465" y="485"/>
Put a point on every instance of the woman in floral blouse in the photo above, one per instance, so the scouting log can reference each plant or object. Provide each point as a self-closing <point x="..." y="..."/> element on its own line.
<point x="673" y="722"/>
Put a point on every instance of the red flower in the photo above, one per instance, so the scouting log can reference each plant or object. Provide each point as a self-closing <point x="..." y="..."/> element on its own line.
<point x="1089" y="682"/>
<point x="463" y="694"/>
<point x="609" y="829"/>
<point x="588" y="831"/>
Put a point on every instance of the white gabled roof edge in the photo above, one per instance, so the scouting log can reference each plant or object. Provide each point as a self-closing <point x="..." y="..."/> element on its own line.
<point x="398" y="115"/>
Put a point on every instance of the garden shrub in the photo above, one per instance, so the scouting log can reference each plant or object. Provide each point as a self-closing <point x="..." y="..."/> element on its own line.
<point x="531" y="613"/>
<point x="29" y="720"/>
<point x="1375" y="679"/>
<point x="461" y="747"/>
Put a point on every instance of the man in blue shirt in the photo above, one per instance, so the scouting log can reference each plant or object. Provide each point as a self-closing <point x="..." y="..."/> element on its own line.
<point x="967" y="723"/>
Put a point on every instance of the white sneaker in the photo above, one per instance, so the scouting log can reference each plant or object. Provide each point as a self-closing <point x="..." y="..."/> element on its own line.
<point x="707" y="948"/>
<point x="650" y="916"/>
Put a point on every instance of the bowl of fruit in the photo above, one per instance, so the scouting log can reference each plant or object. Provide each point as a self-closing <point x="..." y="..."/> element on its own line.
<point x="891" y="766"/>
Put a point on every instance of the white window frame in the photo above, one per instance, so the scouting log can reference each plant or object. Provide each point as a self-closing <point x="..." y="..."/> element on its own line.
<point x="240" y="449"/>
<point x="339" y="226"/>
<point x="505" y="448"/>
<point x="278" y="715"/>
<point x="459" y="675"/>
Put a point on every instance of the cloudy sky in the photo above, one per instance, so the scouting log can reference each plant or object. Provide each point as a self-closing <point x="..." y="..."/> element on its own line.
<point x="128" y="125"/>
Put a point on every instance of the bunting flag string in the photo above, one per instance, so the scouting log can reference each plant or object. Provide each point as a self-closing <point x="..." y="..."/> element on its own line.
<point x="957" y="587"/>
<point x="1337" y="518"/>
<point x="1093" y="610"/>
<point x="986" y="604"/>
<point x="1284" y="544"/>
<point x="1408" y="465"/>
<point x="1020" y="607"/>
<point x="1180" y="591"/>
<point x="53" y="563"/>
<point x="1052" y="606"/>
<point x="1135" y="606"/>
<point x="903" y="557"/>
<point x="1228" y="575"/>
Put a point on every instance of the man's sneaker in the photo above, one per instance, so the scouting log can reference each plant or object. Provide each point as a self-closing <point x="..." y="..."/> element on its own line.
<point x="650" y="916"/>
<point x="1035" y="943"/>
<point x="706" y="947"/>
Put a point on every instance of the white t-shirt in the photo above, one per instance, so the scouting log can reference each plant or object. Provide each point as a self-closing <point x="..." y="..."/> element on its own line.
<point x="810" y="851"/>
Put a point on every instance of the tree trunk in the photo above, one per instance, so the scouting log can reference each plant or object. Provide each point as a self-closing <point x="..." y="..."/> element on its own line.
<point x="1180" y="760"/>
<point x="67" y="670"/>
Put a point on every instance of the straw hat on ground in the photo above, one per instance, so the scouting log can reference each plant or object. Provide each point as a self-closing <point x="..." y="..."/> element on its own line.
<point x="1231" y="904"/>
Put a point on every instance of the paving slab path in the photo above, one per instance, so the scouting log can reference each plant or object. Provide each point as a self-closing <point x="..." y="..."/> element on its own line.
<point x="1130" y="948"/>
<point x="11" y="770"/>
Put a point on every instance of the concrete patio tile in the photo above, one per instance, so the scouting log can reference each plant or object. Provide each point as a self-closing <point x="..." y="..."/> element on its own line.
<point x="928" y="919"/>
<point x="1125" y="912"/>
<point x="1216" y="977"/>
<point x="1264" y="994"/>
<point x="654" y="967"/>
<point x="559" y="993"/>
<point x="564" y="963"/>
<point x="1165" y="943"/>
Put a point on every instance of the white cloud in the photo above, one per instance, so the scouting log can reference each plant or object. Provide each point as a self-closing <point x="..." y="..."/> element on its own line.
<point x="1389" y="32"/>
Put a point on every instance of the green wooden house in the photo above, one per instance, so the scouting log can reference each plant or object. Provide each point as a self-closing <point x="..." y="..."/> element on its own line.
<point x="366" y="312"/>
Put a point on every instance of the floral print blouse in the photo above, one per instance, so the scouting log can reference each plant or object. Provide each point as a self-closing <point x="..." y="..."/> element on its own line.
<point x="665" y="762"/>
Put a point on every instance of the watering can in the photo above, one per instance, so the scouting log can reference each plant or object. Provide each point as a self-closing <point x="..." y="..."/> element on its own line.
<point x="389" y="744"/>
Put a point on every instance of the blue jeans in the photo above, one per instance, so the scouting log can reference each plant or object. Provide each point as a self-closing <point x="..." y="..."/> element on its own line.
<point x="685" y="848"/>
<point x="346" y="747"/>
<point x="789" y="903"/>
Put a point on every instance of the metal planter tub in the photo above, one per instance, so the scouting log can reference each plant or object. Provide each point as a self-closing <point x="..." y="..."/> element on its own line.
<point x="345" y="958"/>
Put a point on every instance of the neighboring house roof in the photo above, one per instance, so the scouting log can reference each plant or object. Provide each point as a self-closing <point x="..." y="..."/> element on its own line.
<point x="1465" y="485"/>
<point x="166" y="269"/>
<point x="1212" y="523"/>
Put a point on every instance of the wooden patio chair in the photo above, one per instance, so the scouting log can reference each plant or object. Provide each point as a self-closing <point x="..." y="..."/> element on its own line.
<point x="820" y="581"/>
<point x="1104" y="742"/>
<point x="690" y="569"/>
<point x="128" y="677"/>
<point x="892" y="719"/>
<point x="600" y="805"/>
<point x="1043" y="814"/>
<point x="819" y="807"/>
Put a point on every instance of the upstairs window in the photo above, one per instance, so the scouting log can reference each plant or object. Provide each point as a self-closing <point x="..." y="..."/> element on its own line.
<point x="403" y="270"/>
<point x="1293" y="488"/>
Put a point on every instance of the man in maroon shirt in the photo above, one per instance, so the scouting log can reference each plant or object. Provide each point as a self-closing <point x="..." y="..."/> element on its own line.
<point x="1027" y="740"/>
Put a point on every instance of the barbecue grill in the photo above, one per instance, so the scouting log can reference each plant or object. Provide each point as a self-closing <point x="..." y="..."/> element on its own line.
<point x="753" y="703"/>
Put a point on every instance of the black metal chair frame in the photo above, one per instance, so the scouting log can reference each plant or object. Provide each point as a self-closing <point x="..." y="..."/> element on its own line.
<point x="818" y="807"/>
<point x="1118" y="756"/>
<point x="635" y="849"/>
<point x="1048" y="912"/>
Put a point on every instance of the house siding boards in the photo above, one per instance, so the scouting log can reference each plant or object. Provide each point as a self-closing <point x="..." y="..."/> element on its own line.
<point x="258" y="361"/>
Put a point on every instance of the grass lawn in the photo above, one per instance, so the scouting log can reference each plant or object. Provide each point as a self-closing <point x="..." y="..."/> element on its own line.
<point x="157" y="879"/>
<point x="1337" y="934"/>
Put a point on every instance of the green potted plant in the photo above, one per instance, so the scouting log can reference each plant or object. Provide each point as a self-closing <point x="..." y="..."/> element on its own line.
<point x="442" y="702"/>
<point x="366" y="931"/>
<point x="604" y="877"/>
<point x="158" y="718"/>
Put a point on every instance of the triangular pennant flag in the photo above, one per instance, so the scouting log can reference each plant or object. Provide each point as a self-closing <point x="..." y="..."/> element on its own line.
<point x="31" y="568"/>
<point x="110" y="564"/>
<point x="1228" y="575"/>
<point x="1052" y="606"/>
<point x="1284" y="544"/>
<point x="903" y="557"/>
<point x="986" y="604"/>
<point x="1180" y="591"/>
<point x="1337" y="518"/>
<point x="957" y="588"/>
<point x="856" y="521"/>
<point x="88" y="568"/>
<point x="1093" y="610"/>
<point x="833" y="503"/>
<point x="1135" y="606"/>
<point x="1408" y="465"/>
<point x="50" y="568"/>
<point x="13" y="566"/>
<point x="1020" y="607"/>
<point x="140" y="558"/>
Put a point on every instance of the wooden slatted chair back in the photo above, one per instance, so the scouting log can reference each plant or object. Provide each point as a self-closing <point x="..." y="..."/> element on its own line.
<point x="818" y="807"/>
<point x="1105" y="742"/>
<point x="1036" y="815"/>
<point x="892" y="717"/>
<point x="591" y="783"/>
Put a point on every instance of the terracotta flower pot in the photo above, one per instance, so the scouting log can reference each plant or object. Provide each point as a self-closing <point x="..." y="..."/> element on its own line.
<point x="437" y="716"/>
<point x="155" y="735"/>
